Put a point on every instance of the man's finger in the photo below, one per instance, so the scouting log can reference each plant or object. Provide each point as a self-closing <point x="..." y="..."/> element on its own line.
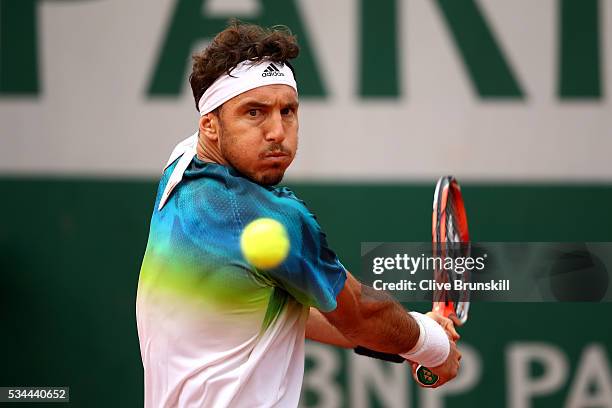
<point x="455" y="320"/>
<point x="447" y="324"/>
<point x="451" y="328"/>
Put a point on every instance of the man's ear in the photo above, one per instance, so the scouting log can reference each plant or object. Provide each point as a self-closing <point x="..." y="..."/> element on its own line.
<point x="209" y="126"/>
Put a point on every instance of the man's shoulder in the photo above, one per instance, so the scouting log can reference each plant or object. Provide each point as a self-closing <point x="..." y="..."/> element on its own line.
<point x="296" y="206"/>
<point x="255" y="200"/>
<point x="287" y="197"/>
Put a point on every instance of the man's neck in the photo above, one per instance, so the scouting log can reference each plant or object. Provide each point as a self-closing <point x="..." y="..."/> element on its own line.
<point x="209" y="153"/>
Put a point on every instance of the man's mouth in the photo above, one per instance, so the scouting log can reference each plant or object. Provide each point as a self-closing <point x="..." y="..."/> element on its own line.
<point x="276" y="154"/>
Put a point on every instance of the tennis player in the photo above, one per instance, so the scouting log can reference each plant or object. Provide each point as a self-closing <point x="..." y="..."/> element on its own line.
<point x="213" y="330"/>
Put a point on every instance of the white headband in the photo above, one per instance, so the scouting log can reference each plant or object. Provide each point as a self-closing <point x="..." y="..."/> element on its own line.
<point x="246" y="76"/>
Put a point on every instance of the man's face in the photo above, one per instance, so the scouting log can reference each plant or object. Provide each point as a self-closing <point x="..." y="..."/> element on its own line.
<point x="258" y="132"/>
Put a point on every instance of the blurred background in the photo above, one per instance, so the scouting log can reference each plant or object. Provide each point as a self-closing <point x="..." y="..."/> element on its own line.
<point x="511" y="97"/>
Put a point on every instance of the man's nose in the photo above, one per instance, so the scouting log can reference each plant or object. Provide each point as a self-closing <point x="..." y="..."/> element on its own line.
<point x="275" y="130"/>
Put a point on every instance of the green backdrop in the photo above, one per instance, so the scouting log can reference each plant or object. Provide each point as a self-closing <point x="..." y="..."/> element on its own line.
<point x="70" y="252"/>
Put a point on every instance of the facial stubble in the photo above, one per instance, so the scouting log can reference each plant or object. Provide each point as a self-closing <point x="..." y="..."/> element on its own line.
<point x="265" y="179"/>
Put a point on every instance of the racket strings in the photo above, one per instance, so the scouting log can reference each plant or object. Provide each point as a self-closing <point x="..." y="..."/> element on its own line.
<point x="453" y="242"/>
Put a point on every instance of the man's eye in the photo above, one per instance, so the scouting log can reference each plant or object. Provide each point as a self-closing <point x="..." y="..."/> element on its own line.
<point x="286" y="111"/>
<point x="253" y="112"/>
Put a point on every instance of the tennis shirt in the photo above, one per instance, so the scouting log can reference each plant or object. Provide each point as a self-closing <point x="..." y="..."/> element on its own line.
<point x="214" y="331"/>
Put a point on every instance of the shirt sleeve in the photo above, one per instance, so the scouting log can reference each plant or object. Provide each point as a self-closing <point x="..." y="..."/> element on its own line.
<point x="312" y="273"/>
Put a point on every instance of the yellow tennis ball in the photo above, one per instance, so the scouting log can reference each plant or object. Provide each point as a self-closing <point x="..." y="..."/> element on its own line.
<point x="265" y="243"/>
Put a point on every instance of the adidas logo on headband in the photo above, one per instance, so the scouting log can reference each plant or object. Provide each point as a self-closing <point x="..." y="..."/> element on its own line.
<point x="272" y="70"/>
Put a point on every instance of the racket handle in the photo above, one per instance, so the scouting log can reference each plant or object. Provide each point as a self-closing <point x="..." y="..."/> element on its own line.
<point x="394" y="358"/>
<point x="425" y="377"/>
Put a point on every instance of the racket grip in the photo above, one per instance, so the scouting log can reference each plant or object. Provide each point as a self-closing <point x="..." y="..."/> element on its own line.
<point x="394" y="358"/>
<point x="425" y="377"/>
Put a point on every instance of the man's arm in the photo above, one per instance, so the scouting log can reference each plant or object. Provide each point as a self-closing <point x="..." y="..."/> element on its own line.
<point x="318" y="328"/>
<point x="373" y="319"/>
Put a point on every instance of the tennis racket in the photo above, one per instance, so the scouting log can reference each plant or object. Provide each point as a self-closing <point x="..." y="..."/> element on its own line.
<point x="451" y="239"/>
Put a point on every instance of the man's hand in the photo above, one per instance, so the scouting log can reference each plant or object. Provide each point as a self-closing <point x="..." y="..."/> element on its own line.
<point x="446" y="371"/>
<point x="450" y="368"/>
<point x="447" y="324"/>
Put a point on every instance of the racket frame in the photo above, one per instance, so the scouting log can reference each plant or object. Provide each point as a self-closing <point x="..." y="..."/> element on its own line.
<point x="447" y="194"/>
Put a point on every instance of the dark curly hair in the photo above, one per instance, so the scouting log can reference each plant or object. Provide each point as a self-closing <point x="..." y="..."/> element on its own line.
<point x="239" y="42"/>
